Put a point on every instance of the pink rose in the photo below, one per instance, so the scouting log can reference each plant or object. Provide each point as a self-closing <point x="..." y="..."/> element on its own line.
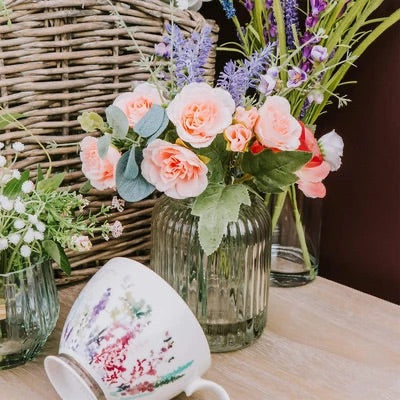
<point x="136" y="104"/>
<point x="248" y="118"/>
<point x="276" y="128"/>
<point x="316" y="170"/>
<point x="238" y="137"/>
<point x="200" y="112"/>
<point x="174" y="170"/>
<point x="100" y="172"/>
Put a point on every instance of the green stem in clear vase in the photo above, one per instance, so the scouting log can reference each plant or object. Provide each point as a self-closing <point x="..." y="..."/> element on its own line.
<point x="278" y="206"/>
<point x="300" y="229"/>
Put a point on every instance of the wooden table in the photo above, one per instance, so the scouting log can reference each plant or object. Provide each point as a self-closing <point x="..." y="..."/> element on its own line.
<point x="323" y="341"/>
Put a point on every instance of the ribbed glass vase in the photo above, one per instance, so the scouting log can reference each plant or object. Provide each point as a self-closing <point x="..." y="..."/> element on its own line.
<point x="29" y="311"/>
<point x="228" y="290"/>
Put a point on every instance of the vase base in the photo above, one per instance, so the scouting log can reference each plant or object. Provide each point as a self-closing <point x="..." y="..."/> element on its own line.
<point x="288" y="269"/>
<point x="230" y="337"/>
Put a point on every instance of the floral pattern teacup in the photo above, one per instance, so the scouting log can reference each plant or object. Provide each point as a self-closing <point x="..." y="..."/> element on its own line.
<point x="129" y="335"/>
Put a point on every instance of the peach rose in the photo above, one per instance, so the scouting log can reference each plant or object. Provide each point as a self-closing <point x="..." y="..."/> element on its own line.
<point x="248" y="118"/>
<point x="238" y="137"/>
<point x="174" y="170"/>
<point x="200" y="112"/>
<point x="316" y="170"/>
<point x="100" y="172"/>
<point x="136" y="104"/>
<point x="276" y="128"/>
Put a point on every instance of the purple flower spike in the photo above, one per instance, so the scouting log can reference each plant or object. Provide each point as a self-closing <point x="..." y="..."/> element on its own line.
<point x="268" y="3"/>
<point x="267" y="84"/>
<point x="291" y="19"/>
<point x="162" y="50"/>
<point x="249" y="5"/>
<point x="319" y="53"/>
<point x="296" y="77"/>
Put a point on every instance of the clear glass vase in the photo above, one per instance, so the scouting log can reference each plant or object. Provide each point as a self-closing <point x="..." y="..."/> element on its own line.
<point x="29" y="311"/>
<point x="295" y="238"/>
<point x="228" y="290"/>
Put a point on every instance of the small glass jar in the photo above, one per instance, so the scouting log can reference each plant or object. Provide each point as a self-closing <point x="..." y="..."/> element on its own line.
<point x="228" y="290"/>
<point x="295" y="239"/>
<point x="29" y="311"/>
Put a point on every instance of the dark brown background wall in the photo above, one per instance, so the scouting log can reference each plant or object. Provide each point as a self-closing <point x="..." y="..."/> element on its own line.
<point x="360" y="244"/>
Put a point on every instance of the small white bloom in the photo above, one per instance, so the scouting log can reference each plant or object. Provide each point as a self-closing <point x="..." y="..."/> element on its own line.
<point x="118" y="204"/>
<point x="40" y="226"/>
<point x="18" y="146"/>
<point x="14" y="238"/>
<point x="38" y="235"/>
<point x="6" y="203"/>
<point x="19" y="224"/>
<point x="81" y="243"/>
<point x="3" y="244"/>
<point x="25" y="251"/>
<point x="33" y="219"/>
<point x="29" y="236"/>
<point x="1" y="145"/>
<point x="19" y="206"/>
<point x="28" y="187"/>
<point x="3" y="161"/>
<point x="331" y="145"/>
<point x="116" y="229"/>
<point x="16" y="174"/>
<point x="315" y="96"/>
<point x="273" y="72"/>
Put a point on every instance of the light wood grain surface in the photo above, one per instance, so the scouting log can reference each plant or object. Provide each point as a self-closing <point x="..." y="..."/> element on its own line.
<point x="323" y="341"/>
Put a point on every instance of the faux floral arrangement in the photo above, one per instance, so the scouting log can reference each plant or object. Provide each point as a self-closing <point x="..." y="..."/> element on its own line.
<point x="181" y="136"/>
<point x="39" y="220"/>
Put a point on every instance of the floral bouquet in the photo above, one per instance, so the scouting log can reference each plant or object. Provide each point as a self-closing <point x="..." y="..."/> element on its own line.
<point x="38" y="220"/>
<point x="313" y="48"/>
<point x="181" y="136"/>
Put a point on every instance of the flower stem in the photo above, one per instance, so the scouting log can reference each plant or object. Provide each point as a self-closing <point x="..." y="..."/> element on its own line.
<point x="300" y="230"/>
<point x="280" y="201"/>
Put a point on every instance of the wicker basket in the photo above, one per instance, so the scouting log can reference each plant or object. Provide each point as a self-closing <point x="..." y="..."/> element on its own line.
<point x="59" y="58"/>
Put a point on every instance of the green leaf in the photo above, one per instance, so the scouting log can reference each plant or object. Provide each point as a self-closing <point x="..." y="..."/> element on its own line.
<point x="118" y="121"/>
<point x="91" y="121"/>
<point x="219" y="159"/>
<point x="57" y="254"/>
<point x="103" y="145"/>
<point x="131" y="188"/>
<point x="40" y="176"/>
<point x="273" y="172"/>
<point x="14" y="187"/>
<point x="216" y="207"/>
<point x="8" y="118"/>
<point x="51" y="184"/>
<point x="85" y="188"/>
<point x="153" y="124"/>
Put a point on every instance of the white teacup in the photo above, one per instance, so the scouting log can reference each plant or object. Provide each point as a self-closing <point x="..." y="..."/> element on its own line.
<point x="129" y="335"/>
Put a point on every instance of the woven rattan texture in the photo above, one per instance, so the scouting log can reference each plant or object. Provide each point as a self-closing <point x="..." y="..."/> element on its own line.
<point x="59" y="58"/>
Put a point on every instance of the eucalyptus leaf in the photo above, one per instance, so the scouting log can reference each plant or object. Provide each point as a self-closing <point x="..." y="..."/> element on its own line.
<point x="51" y="184"/>
<point x="14" y="187"/>
<point x="131" y="188"/>
<point x="273" y="172"/>
<point x="154" y="123"/>
<point x="216" y="207"/>
<point x="103" y="145"/>
<point x="118" y="121"/>
<point x="131" y="169"/>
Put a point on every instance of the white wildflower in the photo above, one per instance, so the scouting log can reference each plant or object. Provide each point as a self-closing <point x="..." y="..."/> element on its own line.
<point x="18" y="146"/>
<point x="28" y="187"/>
<point x="25" y="251"/>
<point x="40" y="226"/>
<point x="3" y="161"/>
<point x="19" y="206"/>
<point x="117" y="204"/>
<point x="81" y="243"/>
<point x="33" y="219"/>
<point x="3" y="244"/>
<point x="29" y="236"/>
<point x="14" y="238"/>
<point x="331" y="145"/>
<point x="116" y="229"/>
<point x="38" y="235"/>
<point x="6" y="203"/>
<point x="16" y="174"/>
<point x="19" y="224"/>
<point x="1" y="145"/>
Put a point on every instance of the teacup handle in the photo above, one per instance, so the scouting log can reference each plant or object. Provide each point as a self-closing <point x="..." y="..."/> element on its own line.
<point x="200" y="383"/>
